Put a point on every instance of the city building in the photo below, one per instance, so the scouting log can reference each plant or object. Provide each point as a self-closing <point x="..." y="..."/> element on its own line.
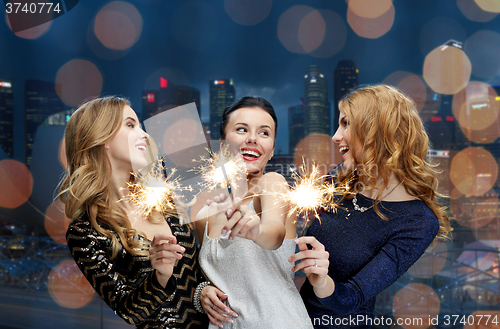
<point x="345" y="80"/>
<point x="222" y="94"/>
<point x="316" y="105"/>
<point x="40" y="101"/>
<point x="296" y="130"/>
<point x="7" y="117"/>
<point x="59" y="119"/>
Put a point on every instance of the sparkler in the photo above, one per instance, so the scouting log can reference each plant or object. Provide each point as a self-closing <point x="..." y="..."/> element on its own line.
<point x="155" y="191"/>
<point x="222" y="169"/>
<point x="309" y="194"/>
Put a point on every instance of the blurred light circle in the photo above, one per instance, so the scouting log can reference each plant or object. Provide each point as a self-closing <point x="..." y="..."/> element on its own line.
<point x="455" y="193"/>
<point x="68" y="287"/>
<point x="492" y="6"/>
<point x="56" y="223"/>
<point x="475" y="211"/>
<point x="483" y="48"/>
<point x="475" y="107"/>
<point x="438" y="31"/>
<point x="473" y="12"/>
<point x="62" y="154"/>
<point x="248" y="12"/>
<point x="311" y="31"/>
<point x="371" y="28"/>
<point x="314" y="149"/>
<point x="78" y="80"/>
<point x="195" y="24"/>
<point x="473" y="171"/>
<point x="178" y="137"/>
<point x="447" y="69"/>
<point x="490" y="231"/>
<point x="334" y="37"/>
<point x="16" y="183"/>
<point x="32" y="33"/>
<point x="369" y="8"/>
<point x="431" y="262"/>
<point x="411" y="85"/>
<point x="118" y="25"/>
<point x="99" y="49"/>
<point x="415" y="301"/>
<point x="483" y="320"/>
<point x="289" y="26"/>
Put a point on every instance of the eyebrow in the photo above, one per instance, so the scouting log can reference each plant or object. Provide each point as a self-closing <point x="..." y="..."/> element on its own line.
<point x="130" y="118"/>
<point x="244" y="124"/>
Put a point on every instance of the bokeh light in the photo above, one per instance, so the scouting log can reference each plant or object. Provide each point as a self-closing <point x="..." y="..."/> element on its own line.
<point x="438" y="31"/>
<point x="289" y="26"/>
<point x="475" y="211"/>
<point x="410" y="84"/>
<point x="473" y="171"/>
<point x="371" y="28"/>
<point x="370" y="8"/>
<point x="311" y="31"/>
<point x="473" y="12"/>
<point x="314" y="149"/>
<point x="77" y="81"/>
<point x="483" y="48"/>
<point x="248" y="12"/>
<point x="490" y="231"/>
<point x="118" y="25"/>
<point x="334" y="37"/>
<point x="187" y="21"/>
<point x="68" y="287"/>
<point x="447" y="69"/>
<point x="431" y="262"/>
<point x="415" y="301"/>
<point x="56" y="223"/>
<point x="16" y="183"/>
<point x="492" y="6"/>
<point x="32" y="33"/>
<point x="483" y="320"/>
<point x="181" y="136"/>
<point x="477" y="109"/>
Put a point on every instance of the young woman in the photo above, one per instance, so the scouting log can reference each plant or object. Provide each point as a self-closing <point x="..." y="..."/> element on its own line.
<point x="376" y="235"/>
<point x="245" y="257"/>
<point x="145" y="269"/>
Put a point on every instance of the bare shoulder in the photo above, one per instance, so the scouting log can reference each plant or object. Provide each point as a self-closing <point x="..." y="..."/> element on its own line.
<point x="273" y="182"/>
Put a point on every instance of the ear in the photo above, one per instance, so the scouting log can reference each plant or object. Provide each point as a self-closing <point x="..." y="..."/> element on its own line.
<point x="272" y="153"/>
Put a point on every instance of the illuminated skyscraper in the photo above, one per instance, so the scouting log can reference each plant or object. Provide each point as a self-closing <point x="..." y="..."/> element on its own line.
<point x="7" y="117"/>
<point x="40" y="101"/>
<point x="345" y="80"/>
<point x="149" y="103"/>
<point x="296" y="130"/>
<point x="222" y="94"/>
<point x="316" y="105"/>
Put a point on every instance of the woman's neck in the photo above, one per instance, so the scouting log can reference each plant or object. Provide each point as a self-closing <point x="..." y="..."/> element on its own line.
<point x="120" y="190"/>
<point x="394" y="191"/>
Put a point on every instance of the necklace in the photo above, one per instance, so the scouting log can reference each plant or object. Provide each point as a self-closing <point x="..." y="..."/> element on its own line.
<point x="363" y="209"/>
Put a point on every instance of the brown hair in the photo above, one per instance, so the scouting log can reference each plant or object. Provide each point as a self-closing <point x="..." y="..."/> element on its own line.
<point x="394" y="141"/>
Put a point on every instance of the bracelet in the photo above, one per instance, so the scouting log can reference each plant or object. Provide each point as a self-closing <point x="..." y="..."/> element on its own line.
<point x="196" y="296"/>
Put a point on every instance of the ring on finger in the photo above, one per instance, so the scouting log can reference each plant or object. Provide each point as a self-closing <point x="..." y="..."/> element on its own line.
<point x="213" y="306"/>
<point x="315" y="264"/>
<point x="242" y="212"/>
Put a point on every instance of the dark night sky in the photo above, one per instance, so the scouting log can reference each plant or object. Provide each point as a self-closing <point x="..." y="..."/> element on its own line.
<point x="192" y="42"/>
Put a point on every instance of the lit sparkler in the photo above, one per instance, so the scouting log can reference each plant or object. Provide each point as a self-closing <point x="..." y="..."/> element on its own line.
<point x="154" y="191"/>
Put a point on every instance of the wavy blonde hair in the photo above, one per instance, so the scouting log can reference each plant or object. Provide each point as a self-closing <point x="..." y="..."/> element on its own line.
<point x="394" y="140"/>
<point x="86" y="185"/>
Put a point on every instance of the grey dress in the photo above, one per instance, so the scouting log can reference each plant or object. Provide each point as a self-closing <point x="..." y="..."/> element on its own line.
<point x="258" y="282"/>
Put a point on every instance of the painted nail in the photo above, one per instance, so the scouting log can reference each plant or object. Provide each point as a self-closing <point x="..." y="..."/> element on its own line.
<point x="229" y="212"/>
<point x="230" y="238"/>
<point x="230" y="320"/>
<point x="223" y="231"/>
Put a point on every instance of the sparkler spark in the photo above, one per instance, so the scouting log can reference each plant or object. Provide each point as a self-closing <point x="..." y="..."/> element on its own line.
<point x="153" y="191"/>
<point x="221" y="169"/>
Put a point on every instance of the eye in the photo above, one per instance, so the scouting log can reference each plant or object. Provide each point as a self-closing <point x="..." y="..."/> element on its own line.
<point x="265" y="133"/>
<point x="241" y="129"/>
<point x="131" y="125"/>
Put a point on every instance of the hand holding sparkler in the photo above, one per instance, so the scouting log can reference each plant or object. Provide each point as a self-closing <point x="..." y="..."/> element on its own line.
<point x="163" y="254"/>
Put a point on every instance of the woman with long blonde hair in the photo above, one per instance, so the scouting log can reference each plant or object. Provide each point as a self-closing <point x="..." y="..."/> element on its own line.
<point x="143" y="267"/>
<point x="380" y="230"/>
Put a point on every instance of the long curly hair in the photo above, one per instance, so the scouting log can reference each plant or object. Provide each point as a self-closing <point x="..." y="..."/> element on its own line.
<point x="86" y="185"/>
<point x="387" y="124"/>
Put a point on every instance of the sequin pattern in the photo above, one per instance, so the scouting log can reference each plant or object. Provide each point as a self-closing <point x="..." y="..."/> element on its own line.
<point x="128" y="284"/>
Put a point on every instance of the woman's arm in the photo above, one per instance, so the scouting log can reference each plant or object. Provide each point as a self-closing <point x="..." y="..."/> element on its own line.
<point x="135" y="299"/>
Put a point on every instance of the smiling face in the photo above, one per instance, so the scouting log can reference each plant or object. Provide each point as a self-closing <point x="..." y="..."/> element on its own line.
<point x="350" y="149"/>
<point x="254" y="130"/>
<point x="126" y="150"/>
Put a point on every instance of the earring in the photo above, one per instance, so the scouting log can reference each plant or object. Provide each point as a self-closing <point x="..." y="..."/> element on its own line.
<point x="270" y="158"/>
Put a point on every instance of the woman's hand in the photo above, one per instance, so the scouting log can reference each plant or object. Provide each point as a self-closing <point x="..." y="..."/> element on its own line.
<point x="314" y="263"/>
<point x="243" y="222"/>
<point x="211" y="300"/>
<point x="163" y="254"/>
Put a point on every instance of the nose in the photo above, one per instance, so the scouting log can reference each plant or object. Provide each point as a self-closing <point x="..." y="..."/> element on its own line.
<point x="145" y="135"/>
<point x="337" y="138"/>
<point x="251" y="139"/>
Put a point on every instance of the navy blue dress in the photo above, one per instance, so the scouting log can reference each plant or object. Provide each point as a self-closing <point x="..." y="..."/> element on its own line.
<point x="367" y="255"/>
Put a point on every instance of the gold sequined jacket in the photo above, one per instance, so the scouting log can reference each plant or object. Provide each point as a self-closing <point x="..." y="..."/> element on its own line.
<point x="128" y="283"/>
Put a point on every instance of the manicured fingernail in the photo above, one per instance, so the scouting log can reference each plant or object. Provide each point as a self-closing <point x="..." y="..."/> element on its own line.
<point x="230" y="238"/>
<point x="229" y="212"/>
<point x="226" y="310"/>
<point x="230" y="321"/>
<point x="223" y="231"/>
<point x="235" y="315"/>
<point x="183" y="249"/>
<point x="221" y="326"/>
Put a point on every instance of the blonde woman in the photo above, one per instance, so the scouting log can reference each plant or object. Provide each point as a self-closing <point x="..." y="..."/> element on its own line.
<point x="144" y="268"/>
<point x="377" y="234"/>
